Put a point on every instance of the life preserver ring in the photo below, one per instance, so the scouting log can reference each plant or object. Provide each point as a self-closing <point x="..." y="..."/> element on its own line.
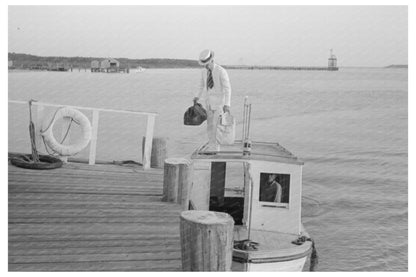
<point x="67" y="150"/>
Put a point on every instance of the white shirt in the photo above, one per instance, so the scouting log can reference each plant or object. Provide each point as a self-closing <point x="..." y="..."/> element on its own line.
<point x="220" y="94"/>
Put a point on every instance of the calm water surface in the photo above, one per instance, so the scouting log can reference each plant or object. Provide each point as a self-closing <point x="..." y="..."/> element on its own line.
<point x="350" y="128"/>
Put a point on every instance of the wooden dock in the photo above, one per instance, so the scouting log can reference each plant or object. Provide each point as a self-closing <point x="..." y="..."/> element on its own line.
<point x="91" y="218"/>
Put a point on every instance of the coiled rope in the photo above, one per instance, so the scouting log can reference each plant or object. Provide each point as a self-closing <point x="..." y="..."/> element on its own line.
<point x="246" y="244"/>
<point x="314" y="255"/>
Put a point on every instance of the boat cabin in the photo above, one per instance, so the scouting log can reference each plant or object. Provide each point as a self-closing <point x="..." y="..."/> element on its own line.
<point x="261" y="190"/>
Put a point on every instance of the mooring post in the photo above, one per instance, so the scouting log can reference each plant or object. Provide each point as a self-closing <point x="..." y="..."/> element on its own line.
<point x="159" y="151"/>
<point x="177" y="181"/>
<point x="206" y="240"/>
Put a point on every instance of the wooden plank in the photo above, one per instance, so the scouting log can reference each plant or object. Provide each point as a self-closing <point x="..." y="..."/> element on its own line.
<point x="166" y="248"/>
<point x="102" y="177"/>
<point x="107" y="170"/>
<point x="86" y="183"/>
<point x="15" y="187"/>
<point x="69" y="204"/>
<point x="86" y="228"/>
<point x="107" y="237"/>
<point x="85" y="200"/>
<point x="78" y="197"/>
<point x="151" y="265"/>
<point x="120" y="192"/>
<point x="84" y="168"/>
<point x="81" y="187"/>
<point x="53" y="218"/>
<point x="99" y="177"/>
<point x="76" y="212"/>
<point x="43" y="188"/>
<point x="77" y="168"/>
<point x="70" y="258"/>
<point x="59" y="220"/>
<point x="145" y="245"/>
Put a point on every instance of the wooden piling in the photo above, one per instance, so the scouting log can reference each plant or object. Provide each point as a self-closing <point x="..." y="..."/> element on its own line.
<point x="159" y="151"/>
<point x="206" y="241"/>
<point x="177" y="181"/>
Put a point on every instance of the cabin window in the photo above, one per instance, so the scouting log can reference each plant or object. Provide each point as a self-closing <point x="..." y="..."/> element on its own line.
<point x="274" y="189"/>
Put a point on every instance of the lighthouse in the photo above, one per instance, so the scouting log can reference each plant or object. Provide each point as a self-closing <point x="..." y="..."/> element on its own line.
<point x="332" y="62"/>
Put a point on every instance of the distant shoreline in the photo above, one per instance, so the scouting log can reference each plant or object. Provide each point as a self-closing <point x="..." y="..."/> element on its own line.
<point x="27" y="62"/>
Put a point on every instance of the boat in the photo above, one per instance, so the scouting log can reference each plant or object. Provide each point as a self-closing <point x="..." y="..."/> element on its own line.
<point x="137" y="70"/>
<point x="260" y="185"/>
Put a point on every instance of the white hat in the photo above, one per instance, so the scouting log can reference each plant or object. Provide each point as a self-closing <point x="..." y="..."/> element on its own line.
<point x="205" y="57"/>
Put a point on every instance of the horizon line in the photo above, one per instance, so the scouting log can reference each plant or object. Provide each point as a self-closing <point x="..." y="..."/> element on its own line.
<point x="361" y="66"/>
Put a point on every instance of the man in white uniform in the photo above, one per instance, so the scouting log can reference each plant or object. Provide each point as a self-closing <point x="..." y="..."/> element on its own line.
<point x="217" y="88"/>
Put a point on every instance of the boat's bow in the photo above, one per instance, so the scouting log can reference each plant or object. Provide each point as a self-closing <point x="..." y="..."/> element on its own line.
<point x="275" y="251"/>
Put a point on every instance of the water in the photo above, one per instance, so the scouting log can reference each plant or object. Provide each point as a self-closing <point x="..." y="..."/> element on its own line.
<point x="350" y="128"/>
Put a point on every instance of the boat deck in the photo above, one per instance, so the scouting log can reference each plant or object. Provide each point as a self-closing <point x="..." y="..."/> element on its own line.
<point x="91" y="218"/>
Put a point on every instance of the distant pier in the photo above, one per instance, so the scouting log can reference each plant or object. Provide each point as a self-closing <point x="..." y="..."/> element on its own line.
<point x="321" y="68"/>
<point x="332" y="66"/>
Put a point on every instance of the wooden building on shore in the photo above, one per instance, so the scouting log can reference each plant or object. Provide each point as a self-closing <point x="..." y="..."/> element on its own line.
<point x="95" y="66"/>
<point x="110" y="65"/>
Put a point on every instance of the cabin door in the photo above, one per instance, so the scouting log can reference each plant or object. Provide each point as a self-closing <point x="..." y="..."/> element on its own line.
<point x="227" y="189"/>
<point x="217" y="188"/>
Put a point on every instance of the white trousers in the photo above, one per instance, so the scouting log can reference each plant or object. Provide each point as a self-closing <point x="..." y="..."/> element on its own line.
<point x="212" y="121"/>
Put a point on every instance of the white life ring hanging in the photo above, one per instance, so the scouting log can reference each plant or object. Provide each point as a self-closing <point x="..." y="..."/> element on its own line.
<point x="67" y="150"/>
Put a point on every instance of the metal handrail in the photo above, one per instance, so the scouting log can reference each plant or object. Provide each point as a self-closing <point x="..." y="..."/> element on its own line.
<point x="83" y="108"/>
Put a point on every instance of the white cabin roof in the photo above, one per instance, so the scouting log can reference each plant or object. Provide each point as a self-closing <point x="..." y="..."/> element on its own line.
<point x="261" y="151"/>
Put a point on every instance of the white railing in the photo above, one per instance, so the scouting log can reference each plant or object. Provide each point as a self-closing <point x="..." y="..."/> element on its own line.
<point x="95" y="120"/>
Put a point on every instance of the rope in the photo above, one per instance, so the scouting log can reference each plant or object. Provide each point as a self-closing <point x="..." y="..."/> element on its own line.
<point x="22" y="157"/>
<point x="69" y="127"/>
<point x="314" y="255"/>
<point x="53" y="118"/>
<point x="246" y="244"/>
<point x="35" y="154"/>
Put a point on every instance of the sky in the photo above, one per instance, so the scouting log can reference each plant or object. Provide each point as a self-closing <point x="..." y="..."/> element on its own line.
<point x="250" y="35"/>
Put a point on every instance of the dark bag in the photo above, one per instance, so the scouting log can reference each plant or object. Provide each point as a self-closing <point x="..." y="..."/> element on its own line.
<point x="195" y="115"/>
